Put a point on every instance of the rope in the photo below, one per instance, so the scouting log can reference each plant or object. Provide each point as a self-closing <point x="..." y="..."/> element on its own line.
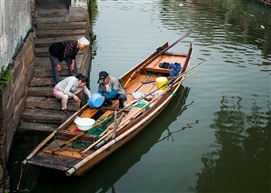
<point x="72" y="166"/>
<point x="19" y="182"/>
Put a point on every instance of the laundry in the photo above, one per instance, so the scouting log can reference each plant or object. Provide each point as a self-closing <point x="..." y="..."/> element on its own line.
<point x="174" y="69"/>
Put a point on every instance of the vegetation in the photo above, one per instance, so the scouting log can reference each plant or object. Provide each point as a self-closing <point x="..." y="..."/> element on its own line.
<point x="5" y="77"/>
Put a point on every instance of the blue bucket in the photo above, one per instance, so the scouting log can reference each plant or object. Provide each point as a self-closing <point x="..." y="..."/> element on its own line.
<point x="96" y="100"/>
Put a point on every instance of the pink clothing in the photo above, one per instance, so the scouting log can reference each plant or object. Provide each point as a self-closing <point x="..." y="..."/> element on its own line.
<point x="64" y="98"/>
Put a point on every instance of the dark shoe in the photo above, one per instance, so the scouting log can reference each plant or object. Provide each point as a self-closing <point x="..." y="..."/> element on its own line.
<point x="121" y="105"/>
<point x="107" y="103"/>
<point x="164" y="65"/>
<point x="64" y="113"/>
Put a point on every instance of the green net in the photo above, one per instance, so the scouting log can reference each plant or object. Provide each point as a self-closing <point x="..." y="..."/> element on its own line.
<point x="100" y="128"/>
<point x="79" y="144"/>
<point x="141" y="104"/>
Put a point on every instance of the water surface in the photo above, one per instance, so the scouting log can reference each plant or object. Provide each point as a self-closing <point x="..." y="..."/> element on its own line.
<point x="215" y="134"/>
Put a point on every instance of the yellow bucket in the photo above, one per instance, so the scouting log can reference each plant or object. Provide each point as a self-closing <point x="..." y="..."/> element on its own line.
<point x="160" y="81"/>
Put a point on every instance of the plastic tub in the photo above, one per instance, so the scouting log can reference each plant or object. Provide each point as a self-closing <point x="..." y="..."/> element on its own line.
<point x="96" y="100"/>
<point x="161" y="83"/>
<point x="84" y="123"/>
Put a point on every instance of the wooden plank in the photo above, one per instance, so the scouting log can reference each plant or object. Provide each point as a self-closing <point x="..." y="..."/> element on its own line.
<point x="89" y="112"/>
<point x="65" y="153"/>
<point x="154" y="65"/>
<point x="135" y="84"/>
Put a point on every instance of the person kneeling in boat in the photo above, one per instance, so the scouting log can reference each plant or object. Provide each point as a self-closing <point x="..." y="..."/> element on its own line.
<point x="69" y="88"/>
<point x="111" y="89"/>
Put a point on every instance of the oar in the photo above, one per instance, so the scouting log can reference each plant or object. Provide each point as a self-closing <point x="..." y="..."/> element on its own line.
<point x="184" y="35"/>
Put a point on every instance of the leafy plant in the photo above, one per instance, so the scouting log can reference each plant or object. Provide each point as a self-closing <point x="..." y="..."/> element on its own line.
<point x="5" y="77"/>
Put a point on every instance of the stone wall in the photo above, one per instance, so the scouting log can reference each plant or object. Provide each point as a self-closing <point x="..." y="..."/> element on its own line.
<point x="15" y="22"/>
<point x="13" y="101"/>
<point x="16" y="52"/>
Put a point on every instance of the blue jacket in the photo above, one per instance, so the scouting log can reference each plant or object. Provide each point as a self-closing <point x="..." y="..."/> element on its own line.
<point x="116" y="88"/>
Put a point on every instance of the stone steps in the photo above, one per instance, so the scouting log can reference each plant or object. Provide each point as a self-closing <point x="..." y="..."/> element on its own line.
<point x="45" y="61"/>
<point x="48" y="102"/>
<point x="55" y="26"/>
<point x="46" y="42"/>
<point x="30" y="126"/>
<point x="60" y="33"/>
<point x="44" y="91"/>
<point x="42" y="111"/>
<point x="42" y="116"/>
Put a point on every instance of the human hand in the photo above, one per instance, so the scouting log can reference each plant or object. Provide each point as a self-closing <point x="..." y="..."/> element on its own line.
<point x="58" y="67"/>
<point x="72" y="67"/>
<point x="76" y="98"/>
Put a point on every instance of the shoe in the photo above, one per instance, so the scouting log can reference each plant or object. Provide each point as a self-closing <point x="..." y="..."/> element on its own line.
<point x="164" y="65"/>
<point x="64" y="113"/>
<point x="121" y="105"/>
<point x="107" y="103"/>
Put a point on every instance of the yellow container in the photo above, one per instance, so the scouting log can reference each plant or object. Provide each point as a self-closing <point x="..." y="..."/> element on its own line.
<point x="161" y="83"/>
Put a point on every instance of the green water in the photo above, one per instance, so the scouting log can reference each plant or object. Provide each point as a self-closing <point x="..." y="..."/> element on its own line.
<point x="214" y="137"/>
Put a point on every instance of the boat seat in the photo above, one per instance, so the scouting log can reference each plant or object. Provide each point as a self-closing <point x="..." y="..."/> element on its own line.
<point x="169" y="58"/>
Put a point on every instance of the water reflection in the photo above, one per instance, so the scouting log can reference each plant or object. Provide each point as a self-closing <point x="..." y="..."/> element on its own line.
<point x="243" y="22"/>
<point x="242" y="142"/>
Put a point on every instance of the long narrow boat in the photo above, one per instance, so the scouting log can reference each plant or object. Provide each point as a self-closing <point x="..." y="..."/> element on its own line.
<point x="73" y="151"/>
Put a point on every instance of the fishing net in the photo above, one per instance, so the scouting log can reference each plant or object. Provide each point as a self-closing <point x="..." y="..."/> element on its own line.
<point x="106" y="121"/>
<point x="79" y="144"/>
<point x="141" y="104"/>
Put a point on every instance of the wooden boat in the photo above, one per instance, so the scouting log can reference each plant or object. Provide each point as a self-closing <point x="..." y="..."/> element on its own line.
<point x="75" y="152"/>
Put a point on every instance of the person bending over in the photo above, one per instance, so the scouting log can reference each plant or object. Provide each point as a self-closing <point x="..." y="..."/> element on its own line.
<point x="65" y="50"/>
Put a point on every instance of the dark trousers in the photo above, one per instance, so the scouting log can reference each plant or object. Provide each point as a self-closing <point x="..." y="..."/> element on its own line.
<point x="120" y="97"/>
<point x="56" y="74"/>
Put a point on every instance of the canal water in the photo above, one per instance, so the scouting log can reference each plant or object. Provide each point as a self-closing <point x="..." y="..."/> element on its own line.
<point x="214" y="137"/>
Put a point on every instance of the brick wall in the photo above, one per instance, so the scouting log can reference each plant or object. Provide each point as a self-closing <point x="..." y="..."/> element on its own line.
<point x="12" y="103"/>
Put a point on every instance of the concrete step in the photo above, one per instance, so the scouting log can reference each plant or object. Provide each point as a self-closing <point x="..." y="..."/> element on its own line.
<point x="52" y="12"/>
<point x="46" y="91"/>
<point x="45" y="61"/>
<point x="34" y="102"/>
<point x="51" y="4"/>
<point x="46" y="42"/>
<point x="37" y="81"/>
<point x="46" y="72"/>
<point x="59" y="33"/>
<point x="63" y="26"/>
<point x="30" y="126"/>
<point x="42" y="116"/>
<point x="43" y="68"/>
<point x="44" y="52"/>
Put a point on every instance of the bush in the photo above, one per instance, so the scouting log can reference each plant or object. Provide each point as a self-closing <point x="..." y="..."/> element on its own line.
<point x="5" y="77"/>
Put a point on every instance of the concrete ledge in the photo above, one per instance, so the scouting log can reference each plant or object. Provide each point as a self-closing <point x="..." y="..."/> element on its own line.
<point x="49" y="103"/>
<point x="28" y="126"/>
<point x="43" y="116"/>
